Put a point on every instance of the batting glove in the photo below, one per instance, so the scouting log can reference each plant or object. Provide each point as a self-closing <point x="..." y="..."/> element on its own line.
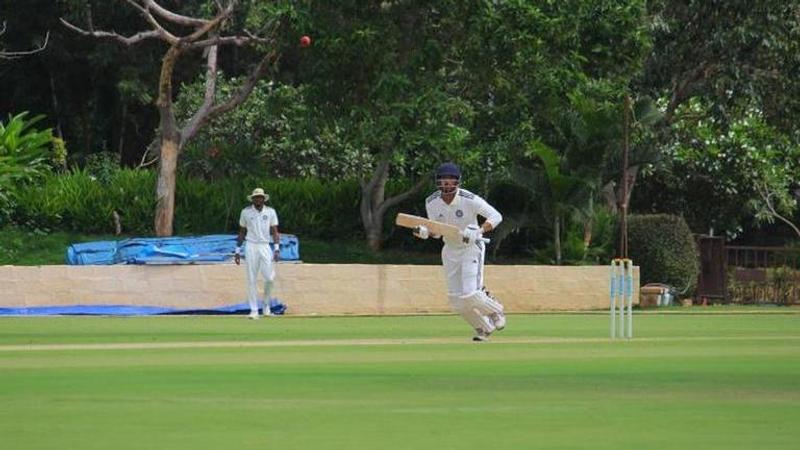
<point x="471" y="234"/>
<point x="421" y="231"/>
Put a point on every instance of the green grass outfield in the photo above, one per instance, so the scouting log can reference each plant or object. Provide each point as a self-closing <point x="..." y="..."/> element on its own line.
<point x="550" y="381"/>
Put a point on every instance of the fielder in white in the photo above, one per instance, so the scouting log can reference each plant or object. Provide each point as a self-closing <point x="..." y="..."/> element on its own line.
<point x="463" y="259"/>
<point x="256" y="223"/>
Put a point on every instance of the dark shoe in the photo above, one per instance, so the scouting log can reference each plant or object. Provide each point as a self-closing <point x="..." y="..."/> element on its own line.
<point x="480" y="336"/>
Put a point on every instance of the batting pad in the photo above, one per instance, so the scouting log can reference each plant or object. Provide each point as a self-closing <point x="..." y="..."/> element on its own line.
<point x="472" y="316"/>
<point x="482" y="302"/>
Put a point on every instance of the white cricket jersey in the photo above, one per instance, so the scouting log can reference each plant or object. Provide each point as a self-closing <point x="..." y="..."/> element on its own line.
<point x="258" y="223"/>
<point x="462" y="211"/>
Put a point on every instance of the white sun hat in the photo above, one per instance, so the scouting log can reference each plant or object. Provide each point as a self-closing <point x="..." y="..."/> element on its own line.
<point x="258" y="192"/>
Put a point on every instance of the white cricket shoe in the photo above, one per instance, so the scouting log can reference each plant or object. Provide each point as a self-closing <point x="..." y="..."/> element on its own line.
<point x="481" y="336"/>
<point x="499" y="320"/>
<point x="253" y="315"/>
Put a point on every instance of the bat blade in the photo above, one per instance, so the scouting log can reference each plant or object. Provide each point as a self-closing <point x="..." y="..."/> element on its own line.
<point x="451" y="232"/>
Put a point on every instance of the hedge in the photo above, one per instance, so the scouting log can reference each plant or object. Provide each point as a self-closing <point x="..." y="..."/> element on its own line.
<point x="79" y="202"/>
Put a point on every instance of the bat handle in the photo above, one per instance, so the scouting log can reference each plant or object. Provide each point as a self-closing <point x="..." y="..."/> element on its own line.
<point x="480" y="239"/>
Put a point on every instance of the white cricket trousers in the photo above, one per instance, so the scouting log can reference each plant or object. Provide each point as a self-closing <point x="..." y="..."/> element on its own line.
<point x="258" y="257"/>
<point x="463" y="269"/>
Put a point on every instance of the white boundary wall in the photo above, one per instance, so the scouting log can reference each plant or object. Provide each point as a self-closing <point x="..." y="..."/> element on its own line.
<point x="328" y="289"/>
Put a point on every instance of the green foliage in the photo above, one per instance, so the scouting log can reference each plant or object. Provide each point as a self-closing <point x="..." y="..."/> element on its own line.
<point x="275" y="132"/>
<point x="59" y="157"/>
<point x="23" y="151"/>
<point x="779" y="286"/>
<point x="24" y="158"/>
<point x="81" y="202"/>
<point x="562" y="179"/>
<point x="713" y="172"/>
<point x="76" y="201"/>
<point x="390" y="92"/>
<point x="734" y="54"/>
<point x="664" y="248"/>
<point x="520" y="62"/>
<point x="102" y="166"/>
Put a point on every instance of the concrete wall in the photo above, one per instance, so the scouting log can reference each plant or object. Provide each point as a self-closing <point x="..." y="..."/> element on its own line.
<point x="305" y="288"/>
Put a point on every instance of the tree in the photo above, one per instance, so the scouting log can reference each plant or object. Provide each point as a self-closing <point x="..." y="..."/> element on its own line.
<point x="567" y="175"/>
<point x="718" y="174"/>
<point x="23" y="53"/>
<point x="390" y="90"/>
<point x="728" y="51"/>
<point x="725" y="75"/>
<point x="277" y="132"/>
<point x="194" y="33"/>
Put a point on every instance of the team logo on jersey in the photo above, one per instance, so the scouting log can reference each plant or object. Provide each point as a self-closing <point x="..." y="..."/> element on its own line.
<point x="264" y="218"/>
<point x="459" y="213"/>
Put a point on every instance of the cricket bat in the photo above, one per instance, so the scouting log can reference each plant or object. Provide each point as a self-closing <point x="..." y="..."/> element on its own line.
<point x="451" y="232"/>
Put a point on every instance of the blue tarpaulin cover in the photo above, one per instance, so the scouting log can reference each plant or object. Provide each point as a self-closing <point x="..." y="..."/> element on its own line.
<point x="275" y="307"/>
<point x="211" y="249"/>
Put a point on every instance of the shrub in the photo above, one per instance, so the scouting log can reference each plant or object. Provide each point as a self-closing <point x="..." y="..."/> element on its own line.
<point x="23" y="153"/>
<point x="102" y="165"/>
<point x="663" y="246"/>
<point x="80" y="201"/>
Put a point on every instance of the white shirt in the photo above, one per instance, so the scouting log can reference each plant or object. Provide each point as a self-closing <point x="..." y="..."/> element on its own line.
<point x="258" y="223"/>
<point x="462" y="211"/>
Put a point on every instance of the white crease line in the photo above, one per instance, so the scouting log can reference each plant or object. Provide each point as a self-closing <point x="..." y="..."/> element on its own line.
<point x="369" y="342"/>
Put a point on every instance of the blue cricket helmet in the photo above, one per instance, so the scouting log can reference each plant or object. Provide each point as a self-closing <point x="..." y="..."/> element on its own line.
<point x="448" y="169"/>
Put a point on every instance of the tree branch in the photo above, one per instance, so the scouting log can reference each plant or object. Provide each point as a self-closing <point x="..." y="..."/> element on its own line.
<point x="15" y="55"/>
<point x="131" y="40"/>
<point x="145" y="12"/>
<point x="377" y="174"/>
<point x="211" y="24"/>
<point x="208" y="98"/>
<point x="170" y="16"/>
<point x="191" y="41"/>
<point x="391" y="201"/>
<point x="235" y="100"/>
<point x="228" y="40"/>
<point x="766" y="196"/>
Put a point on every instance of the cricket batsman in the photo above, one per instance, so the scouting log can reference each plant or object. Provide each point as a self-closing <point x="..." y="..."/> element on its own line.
<point x="463" y="258"/>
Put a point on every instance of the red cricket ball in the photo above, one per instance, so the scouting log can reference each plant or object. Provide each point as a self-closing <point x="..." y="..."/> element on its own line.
<point x="305" y="41"/>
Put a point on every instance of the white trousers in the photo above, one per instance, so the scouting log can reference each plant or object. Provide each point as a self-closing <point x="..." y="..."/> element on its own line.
<point x="463" y="269"/>
<point x="258" y="258"/>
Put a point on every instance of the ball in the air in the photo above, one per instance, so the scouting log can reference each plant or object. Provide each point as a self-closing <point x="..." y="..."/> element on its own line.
<point x="305" y="41"/>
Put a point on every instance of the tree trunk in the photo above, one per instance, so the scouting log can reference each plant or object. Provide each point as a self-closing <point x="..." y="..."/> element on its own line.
<point x="374" y="203"/>
<point x="165" y="187"/>
<point x="588" y="227"/>
<point x="170" y="147"/>
<point x="375" y="235"/>
<point x="373" y="195"/>
<point x="56" y="111"/>
<point x="122" y="126"/>
<point x="557" y="242"/>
